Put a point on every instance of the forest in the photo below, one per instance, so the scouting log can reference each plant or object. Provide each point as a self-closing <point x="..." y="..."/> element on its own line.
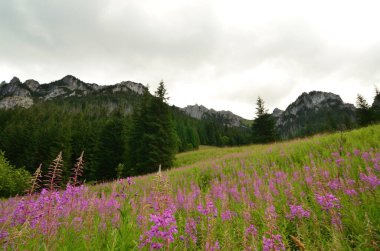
<point x="99" y="125"/>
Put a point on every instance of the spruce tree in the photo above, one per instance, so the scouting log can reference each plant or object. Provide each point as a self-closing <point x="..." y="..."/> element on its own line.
<point x="363" y="112"/>
<point x="152" y="139"/>
<point x="376" y="106"/>
<point x="263" y="127"/>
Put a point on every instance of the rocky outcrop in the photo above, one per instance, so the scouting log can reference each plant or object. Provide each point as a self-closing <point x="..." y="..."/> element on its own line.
<point x="10" y="102"/>
<point x="277" y="113"/>
<point x="313" y="112"/>
<point x="32" y="84"/>
<point x="225" y="117"/>
<point x="14" y="88"/>
<point x="16" y="93"/>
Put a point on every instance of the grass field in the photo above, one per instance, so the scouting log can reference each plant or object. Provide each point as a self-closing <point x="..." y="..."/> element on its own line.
<point x="319" y="193"/>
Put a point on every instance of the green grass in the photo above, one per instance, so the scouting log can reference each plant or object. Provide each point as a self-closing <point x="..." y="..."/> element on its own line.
<point x="246" y="181"/>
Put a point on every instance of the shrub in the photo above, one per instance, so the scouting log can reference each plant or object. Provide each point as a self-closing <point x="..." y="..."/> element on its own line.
<point x="12" y="180"/>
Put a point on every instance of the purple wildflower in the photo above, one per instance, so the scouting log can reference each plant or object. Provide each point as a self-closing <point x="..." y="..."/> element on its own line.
<point x="270" y="212"/>
<point x="162" y="231"/>
<point x="296" y="211"/>
<point x="356" y="152"/>
<point x="210" y="247"/>
<point x="366" y="156"/>
<point x="334" y="184"/>
<point x="209" y="209"/>
<point x="3" y="235"/>
<point x="328" y="201"/>
<point x="227" y="215"/>
<point x="351" y="192"/>
<point x="370" y="179"/>
<point x="251" y="230"/>
<point x="130" y="181"/>
<point x="274" y="242"/>
<point x="191" y="229"/>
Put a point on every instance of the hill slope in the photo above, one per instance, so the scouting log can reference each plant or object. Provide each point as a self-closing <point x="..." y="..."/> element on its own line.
<point x="320" y="193"/>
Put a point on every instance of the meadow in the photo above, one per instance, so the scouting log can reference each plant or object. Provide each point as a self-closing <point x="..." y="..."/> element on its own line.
<point x="318" y="193"/>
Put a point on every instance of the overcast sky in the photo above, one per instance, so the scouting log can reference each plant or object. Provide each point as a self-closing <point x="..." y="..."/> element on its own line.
<point x="221" y="54"/>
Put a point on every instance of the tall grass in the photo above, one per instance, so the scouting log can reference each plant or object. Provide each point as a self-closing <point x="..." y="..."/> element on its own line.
<point x="320" y="193"/>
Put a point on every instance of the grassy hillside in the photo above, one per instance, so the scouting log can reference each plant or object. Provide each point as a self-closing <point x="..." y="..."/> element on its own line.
<point x="320" y="193"/>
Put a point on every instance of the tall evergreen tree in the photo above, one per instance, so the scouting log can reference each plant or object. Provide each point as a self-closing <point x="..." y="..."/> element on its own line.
<point x="376" y="106"/>
<point x="263" y="127"/>
<point x="110" y="148"/>
<point x="363" y="112"/>
<point x="152" y="139"/>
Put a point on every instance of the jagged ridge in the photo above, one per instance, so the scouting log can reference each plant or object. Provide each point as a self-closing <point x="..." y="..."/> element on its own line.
<point x="225" y="117"/>
<point x="16" y="93"/>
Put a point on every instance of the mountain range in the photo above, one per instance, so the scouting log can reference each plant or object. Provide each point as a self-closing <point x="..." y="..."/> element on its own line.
<point x="310" y="112"/>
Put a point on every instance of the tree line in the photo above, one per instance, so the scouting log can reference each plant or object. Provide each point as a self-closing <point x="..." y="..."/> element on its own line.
<point x="116" y="143"/>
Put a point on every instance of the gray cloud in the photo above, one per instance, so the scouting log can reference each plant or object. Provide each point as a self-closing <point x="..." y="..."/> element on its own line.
<point x="206" y="52"/>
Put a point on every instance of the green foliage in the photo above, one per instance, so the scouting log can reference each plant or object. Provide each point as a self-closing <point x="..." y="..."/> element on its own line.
<point x="364" y="112"/>
<point x="100" y="124"/>
<point x="376" y="106"/>
<point x="12" y="180"/>
<point x="152" y="141"/>
<point x="263" y="127"/>
<point x="235" y="171"/>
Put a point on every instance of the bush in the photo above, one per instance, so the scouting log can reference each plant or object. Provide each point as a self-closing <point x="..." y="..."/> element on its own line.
<point x="12" y="181"/>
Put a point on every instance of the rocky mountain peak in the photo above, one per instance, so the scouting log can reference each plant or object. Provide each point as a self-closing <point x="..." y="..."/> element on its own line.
<point x="15" y="80"/>
<point x="195" y="111"/>
<point x="315" y="109"/>
<point x="277" y="112"/>
<point x="32" y="84"/>
<point x="135" y="87"/>
<point x="315" y="100"/>
<point x="200" y="112"/>
<point x="15" y="93"/>
<point x="69" y="79"/>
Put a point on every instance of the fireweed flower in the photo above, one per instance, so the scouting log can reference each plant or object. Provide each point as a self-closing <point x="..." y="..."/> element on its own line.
<point x="296" y="211"/>
<point x="328" y="201"/>
<point x="371" y="180"/>
<point x="273" y="242"/>
<point x="191" y="230"/>
<point x="210" y="209"/>
<point x="334" y="184"/>
<point x="210" y="247"/>
<point x="162" y="231"/>
<point x="356" y="152"/>
<point x="271" y="214"/>
<point x="251" y="230"/>
<point x="351" y="192"/>
<point x="3" y="234"/>
<point x="227" y="215"/>
<point x="366" y="156"/>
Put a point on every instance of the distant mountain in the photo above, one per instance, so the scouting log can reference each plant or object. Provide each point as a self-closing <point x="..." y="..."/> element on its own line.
<point x="226" y="118"/>
<point x="15" y="93"/>
<point x="314" y="112"/>
<point x="26" y="94"/>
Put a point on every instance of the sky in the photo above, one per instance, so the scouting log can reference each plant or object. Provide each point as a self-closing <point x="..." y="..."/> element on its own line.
<point x="221" y="54"/>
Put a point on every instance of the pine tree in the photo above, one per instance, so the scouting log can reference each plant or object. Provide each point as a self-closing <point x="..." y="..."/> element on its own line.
<point x="263" y="127"/>
<point x="376" y="106"/>
<point x="110" y="148"/>
<point x="152" y="140"/>
<point x="363" y="112"/>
